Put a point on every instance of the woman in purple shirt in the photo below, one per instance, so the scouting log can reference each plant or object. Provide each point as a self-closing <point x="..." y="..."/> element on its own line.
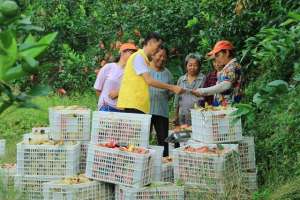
<point x="109" y="78"/>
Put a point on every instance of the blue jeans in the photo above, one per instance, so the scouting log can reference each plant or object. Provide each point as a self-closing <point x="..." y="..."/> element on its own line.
<point x="108" y="108"/>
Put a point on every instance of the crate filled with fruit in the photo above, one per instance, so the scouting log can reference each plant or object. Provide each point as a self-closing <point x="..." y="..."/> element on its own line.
<point x="31" y="187"/>
<point x="124" y="165"/>
<point x="215" y="125"/>
<point x="45" y="157"/>
<point x="7" y="173"/>
<point x="78" y="188"/>
<point x="126" y="128"/>
<point x="212" y="167"/>
<point x="70" y="123"/>
<point x="154" y="191"/>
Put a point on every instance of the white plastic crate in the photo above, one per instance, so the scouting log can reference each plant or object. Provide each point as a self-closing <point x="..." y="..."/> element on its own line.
<point x="161" y="191"/>
<point x="157" y="162"/>
<point x="247" y="153"/>
<point x="167" y="172"/>
<point x="215" y="126"/>
<point x="48" y="160"/>
<point x="70" y="123"/>
<point x="126" y="128"/>
<point x="119" y="167"/>
<point x="2" y="147"/>
<point x="7" y="173"/>
<point x="83" y="155"/>
<point x="210" y="171"/>
<point x="93" y="190"/>
<point x="32" y="186"/>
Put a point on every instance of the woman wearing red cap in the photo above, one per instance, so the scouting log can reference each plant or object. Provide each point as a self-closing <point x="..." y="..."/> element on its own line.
<point x="109" y="78"/>
<point x="228" y="87"/>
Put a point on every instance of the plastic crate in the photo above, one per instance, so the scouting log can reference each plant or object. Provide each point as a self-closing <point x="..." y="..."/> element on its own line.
<point x="7" y="175"/>
<point x="161" y="191"/>
<point x="215" y="126"/>
<point x="2" y="147"/>
<point x="67" y="123"/>
<point x="167" y="172"/>
<point x="250" y="182"/>
<point x="93" y="190"/>
<point x="119" y="167"/>
<point x="157" y="162"/>
<point x="247" y="153"/>
<point x="83" y="155"/>
<point x="210" y="171"/>
<point x="125" y="128"/>
<point x="31" y="187"/>
<point x="48" y="160"/>
<point x="193" y="192"/>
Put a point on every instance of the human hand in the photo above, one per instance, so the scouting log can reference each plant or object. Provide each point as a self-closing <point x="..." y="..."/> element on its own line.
<point x="113" y="94"/>
<point x="177" y="90"/>
<point x="197" y="93"/>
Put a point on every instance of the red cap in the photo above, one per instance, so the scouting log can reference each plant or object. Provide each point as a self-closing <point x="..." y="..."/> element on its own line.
<point x="219" y="46"/>
<point x="127" y="46"/>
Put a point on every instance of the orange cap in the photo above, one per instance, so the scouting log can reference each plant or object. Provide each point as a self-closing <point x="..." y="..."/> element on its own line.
<point x="219" y="46"/>
<point x="127" y="46"/>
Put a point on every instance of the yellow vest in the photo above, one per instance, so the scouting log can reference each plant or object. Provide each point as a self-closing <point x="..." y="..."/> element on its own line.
<point x="134" y="91"/>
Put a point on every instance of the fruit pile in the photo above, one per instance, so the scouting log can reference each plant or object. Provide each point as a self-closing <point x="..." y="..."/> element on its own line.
<point x="211" y="108"/>
<point x="8" y="166"/>
<point x="205" y="149"/>
<point x="74" y="180"/>
<point x="183" y="128"/>
<point x="129" y="148"/>
<point x="167" y="159"/>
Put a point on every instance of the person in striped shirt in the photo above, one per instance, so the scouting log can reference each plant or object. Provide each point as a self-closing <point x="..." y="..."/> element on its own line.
<point x="159" y="97"/>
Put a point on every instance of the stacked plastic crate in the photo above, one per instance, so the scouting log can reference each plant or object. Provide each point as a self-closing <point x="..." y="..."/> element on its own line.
<point x="73" y="124"/>
<point x="40" y="161"/>
<point x="210" y="165"/>
<point x="131" y="166"/>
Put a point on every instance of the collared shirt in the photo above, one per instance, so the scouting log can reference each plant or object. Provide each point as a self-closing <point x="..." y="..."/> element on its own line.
<point x="187" y="100"/>
<point x="160" y="97"/>
<point x="231" y="73"/>
<point x="108" y="79"/>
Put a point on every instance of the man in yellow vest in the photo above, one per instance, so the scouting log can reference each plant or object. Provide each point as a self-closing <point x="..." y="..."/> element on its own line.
<point x="134" y="91"/>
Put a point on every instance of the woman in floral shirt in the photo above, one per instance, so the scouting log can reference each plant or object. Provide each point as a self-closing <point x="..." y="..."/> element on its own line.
<point x="228" y="87"/>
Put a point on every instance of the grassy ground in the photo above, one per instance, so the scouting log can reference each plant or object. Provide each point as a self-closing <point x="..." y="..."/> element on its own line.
<point x="16" y="122"/>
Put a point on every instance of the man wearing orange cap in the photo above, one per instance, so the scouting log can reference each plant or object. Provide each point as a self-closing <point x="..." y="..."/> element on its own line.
<point x="109" y="79"/>
<point x="228" y="87"/>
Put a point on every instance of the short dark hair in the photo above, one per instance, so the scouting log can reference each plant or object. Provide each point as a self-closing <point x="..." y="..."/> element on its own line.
<point x="150" y="36"/>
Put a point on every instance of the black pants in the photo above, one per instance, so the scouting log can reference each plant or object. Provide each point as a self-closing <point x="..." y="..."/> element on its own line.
<point x="133" y="110"/>
<point x="161" y="125"/>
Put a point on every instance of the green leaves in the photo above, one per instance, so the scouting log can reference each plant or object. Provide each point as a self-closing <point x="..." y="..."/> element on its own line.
<point x="8" y="51"/>
<point x="35" y="48"/>
<point x="192" y="22"/>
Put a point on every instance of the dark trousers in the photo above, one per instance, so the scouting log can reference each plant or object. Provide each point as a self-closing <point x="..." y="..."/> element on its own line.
<point x="133" y="110"/>
<point x="161" y="125"/>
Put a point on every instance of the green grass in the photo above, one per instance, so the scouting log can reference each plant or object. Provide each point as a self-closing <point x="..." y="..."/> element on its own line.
<point x="16" y="122"/>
